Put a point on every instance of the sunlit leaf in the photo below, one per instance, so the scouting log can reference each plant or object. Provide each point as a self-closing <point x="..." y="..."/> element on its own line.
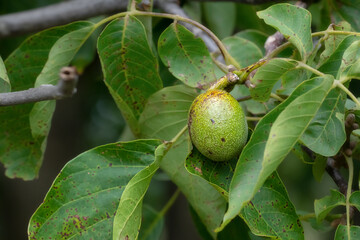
<point x="273" y="138"/>
<point x="166" y="112"/>
<point x="186" y="56"/>
<point x="293" y="22"/>
<point x="84" y="197"/>
<point x="127" y="219"/>
<point x="326" y="133"/>
<point x="267" y="75"/>
<point x="129" y="66"/>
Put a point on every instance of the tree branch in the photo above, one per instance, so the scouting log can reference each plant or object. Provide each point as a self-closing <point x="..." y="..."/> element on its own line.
<point x="65" y="88"/>
<point x="56" y="14"/>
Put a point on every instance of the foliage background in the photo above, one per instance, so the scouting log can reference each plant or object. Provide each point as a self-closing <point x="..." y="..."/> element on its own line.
<point x="91" y="118"/>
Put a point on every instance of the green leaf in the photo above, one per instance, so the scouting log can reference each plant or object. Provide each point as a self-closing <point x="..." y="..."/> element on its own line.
<point x="218" y="174"/>
<point x="350" y="56"/>
<point x="129" y="66"/>
<point x="353" y="72"/>
<point x="341" y="232"/>
<point x="355" y="199"/>
<point x="222" y="26"/>
<point x="270" y="202"/>
<point x="271" y="212"/>
<point x="326" y="133"/>
<point x="166" y="112"/>
<point x="332" y="64"/>
<point x="186" y="56"/>
<point x="4" y="79"/>
<point x="347" y="10"/>
<point x="242" y="50"/>
<point x="297" y="31"/>
<point x="210" y="205"/>
<point x="267" y="75"/>
<point x="84" y="197"/>
<point x="270" y="142"/>
<point x="324" y="205"/>
<point x="255" y="36"/>
<point x="20" y="151"/>
<point x="318" y="167"/>
<point x="60" y="55"/>
<point x="149" y="215"/>
<point x="127" y="220"/>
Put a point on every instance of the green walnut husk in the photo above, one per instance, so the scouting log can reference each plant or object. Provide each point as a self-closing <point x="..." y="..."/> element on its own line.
<point x="217" y="125"/>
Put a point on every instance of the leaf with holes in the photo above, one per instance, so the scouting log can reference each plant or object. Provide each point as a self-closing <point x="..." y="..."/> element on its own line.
<point x="4" y="79"/>
<point x="186" y="56"/>
<point x="324" y="205"/>
<point x="166" y="112"/>
<point x="242" y="50"/>
<point x="273" y="138"/>
<point x="20" y="151"/>
<point x="129" y="66"/>
<point x="267" y="75"/>
<point x="293" y="22"/>
<point x="85" y="195"/>
<point x="128" y="217"/>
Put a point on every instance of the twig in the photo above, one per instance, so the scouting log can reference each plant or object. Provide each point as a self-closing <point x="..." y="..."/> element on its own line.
<point x="65" y="88"/>
<point x="56" y="14"/>
<point x="172" y="6"/>
<point x="253" y="2"/>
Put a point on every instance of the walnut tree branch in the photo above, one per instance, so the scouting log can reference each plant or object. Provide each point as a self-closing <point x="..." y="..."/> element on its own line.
<point x="65" y="88"/>
<point x="56" y="14"/>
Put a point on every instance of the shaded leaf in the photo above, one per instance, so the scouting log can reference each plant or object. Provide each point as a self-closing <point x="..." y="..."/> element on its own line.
<point x="318" y="167"/>
<point x="267" y="75"/>
<point x="166" y="112"/>
<point x="60" y="55"/>
<point x="242" y="50"/>
<point x="297" y="31"/>
<point x="270" y="212"/>
<point x="149" y="216"/>
<point x="186" y="56"/>
<point x="129" y="66"/>
<point x="350" y="56"/>
<point x="258" y="160"/>
<point x="128" y="216"/>
<point x="324" y="205"/>
<point x="326" y="133"/>
<point x="255" y="36"/>
<point x="4" y="79"/>
<point x="355" y="199"/>
<point x="20" y="151"/>
<point x="353" y="71"/>
<point x="341" y="232"/>
<point x="210" y="205"/>
<point x="84" y="197"/>
<point x="347" y="10"/>
<point x="222" y="26"/>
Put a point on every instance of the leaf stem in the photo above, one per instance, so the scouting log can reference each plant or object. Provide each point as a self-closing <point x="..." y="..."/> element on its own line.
<point x="277" y="97"/>
<point x="311" y="69"/>
<point x="253" y="118"/>
<point x="349" y="162"/>
<point x="338" y="84"/>
<point x="162" y="213"/>
<point x="178" y="135"/>
<point x="228" y="58"/>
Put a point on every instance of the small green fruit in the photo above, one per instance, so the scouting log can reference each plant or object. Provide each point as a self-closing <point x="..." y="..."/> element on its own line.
<point x="217" y="125"/>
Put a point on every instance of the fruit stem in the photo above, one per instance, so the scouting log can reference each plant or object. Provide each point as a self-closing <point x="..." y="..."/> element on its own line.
<point x="253" y="118"/>
<point x="349" y="162"/>
<point x="338" y="84"/>
<point x="277" y="97"/>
